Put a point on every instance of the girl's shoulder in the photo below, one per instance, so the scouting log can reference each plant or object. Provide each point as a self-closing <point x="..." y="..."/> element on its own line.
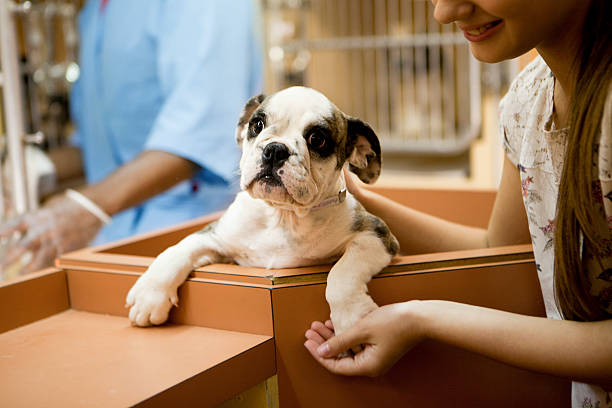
<point x="527" y="105"/>
<point x="532" y="75"/>
<point x="533" y="86"/>
<point x="605" y="147"/>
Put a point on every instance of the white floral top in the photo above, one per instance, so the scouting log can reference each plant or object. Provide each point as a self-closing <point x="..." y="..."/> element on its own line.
<point x="537" y="148"/>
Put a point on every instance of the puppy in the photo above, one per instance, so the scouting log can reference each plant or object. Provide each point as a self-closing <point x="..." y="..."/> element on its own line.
<point x="293" y="209"/>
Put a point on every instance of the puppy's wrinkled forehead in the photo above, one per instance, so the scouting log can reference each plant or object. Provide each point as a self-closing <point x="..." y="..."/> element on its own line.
<point x="298" y="106"/>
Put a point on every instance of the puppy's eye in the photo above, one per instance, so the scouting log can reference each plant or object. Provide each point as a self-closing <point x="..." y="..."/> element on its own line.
<point x="316" y="140"/>
<point x="257" y="126"/>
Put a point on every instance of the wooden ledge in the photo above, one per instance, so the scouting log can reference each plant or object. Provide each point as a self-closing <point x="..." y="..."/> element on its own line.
<point x="91" y="260"/>
<point x="85" y="359"/>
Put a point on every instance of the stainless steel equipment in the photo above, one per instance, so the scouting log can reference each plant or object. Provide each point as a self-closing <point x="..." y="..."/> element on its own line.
<point x="38" y="52"/>
<point x="13" y="107"/>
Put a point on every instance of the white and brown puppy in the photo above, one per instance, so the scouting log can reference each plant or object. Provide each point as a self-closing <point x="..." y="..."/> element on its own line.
<point x="293" y="210"/>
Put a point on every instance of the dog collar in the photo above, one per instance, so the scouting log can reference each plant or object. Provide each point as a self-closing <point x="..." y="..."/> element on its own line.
<point x="328" y="202"/>
<point x="334" y="200"/>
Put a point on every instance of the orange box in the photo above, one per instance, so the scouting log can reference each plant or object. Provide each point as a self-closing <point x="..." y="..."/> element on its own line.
<point x="237" y="326"/>
<point x="56" y="355"/>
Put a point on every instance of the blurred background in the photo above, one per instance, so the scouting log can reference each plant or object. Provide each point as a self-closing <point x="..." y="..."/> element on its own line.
<point x="388" y="62"/>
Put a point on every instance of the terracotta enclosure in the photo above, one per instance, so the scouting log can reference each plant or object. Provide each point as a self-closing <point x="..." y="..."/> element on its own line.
<point x="67" y="342"/>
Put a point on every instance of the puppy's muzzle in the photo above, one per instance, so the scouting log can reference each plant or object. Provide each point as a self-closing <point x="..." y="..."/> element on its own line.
<point x="274" y="155"/>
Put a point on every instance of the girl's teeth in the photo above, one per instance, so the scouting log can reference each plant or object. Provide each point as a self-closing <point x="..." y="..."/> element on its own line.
<point x="480" y="29"/>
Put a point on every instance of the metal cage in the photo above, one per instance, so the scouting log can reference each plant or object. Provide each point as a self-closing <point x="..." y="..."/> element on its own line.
<point x="386" y="61"/>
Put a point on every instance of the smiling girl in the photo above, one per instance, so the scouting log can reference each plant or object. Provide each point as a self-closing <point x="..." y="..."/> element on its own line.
<point x="555" y="192"/>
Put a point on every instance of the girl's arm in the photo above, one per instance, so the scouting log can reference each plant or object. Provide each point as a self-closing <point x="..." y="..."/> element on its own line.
<point x="581" y="351"/>
<point x="577" y="350"/>
<point x="418" y="232"/>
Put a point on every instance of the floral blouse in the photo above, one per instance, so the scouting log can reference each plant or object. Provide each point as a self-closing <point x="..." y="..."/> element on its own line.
<point x="536" y="147"/>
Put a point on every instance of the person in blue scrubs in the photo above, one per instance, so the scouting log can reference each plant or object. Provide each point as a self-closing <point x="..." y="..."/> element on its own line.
<point x="161" y="87"/>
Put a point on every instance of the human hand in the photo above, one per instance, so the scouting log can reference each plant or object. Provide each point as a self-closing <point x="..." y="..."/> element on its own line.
<point x="353" y="184"/>
<point x="33" y="240"/>
<point x="385" y="334"/>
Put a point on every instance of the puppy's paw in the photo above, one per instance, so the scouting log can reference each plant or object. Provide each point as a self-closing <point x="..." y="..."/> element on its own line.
<point x="150" y="302"/>
<point x="346" y="313"/>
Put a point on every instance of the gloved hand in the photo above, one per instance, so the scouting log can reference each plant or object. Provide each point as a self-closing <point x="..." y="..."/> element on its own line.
<point x="32" y="241"/>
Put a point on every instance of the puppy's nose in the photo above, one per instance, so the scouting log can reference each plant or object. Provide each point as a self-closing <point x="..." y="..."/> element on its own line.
<point x="275" y="154"/>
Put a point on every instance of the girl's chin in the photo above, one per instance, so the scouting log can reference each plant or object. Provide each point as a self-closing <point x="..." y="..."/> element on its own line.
<point x="491" y="54"/>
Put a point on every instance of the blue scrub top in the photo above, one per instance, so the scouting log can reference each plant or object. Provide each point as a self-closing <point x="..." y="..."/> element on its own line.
<point x="171" y="76"/>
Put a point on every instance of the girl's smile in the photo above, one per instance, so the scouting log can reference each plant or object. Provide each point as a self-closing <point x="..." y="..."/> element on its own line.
<point x="502" y="29"/>
<point x="476" y="33"/>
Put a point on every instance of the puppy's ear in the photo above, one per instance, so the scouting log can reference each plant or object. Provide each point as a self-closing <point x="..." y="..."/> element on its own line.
<point x="363" y="150"/>
<point x="245" y="116"/>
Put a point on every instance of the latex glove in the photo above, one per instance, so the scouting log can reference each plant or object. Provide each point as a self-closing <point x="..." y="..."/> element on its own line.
<point x="385" y="334"/>
<point x="32" y="241"/>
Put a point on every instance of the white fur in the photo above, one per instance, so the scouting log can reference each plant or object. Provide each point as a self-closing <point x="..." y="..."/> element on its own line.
<point x="274" y="227"/>
<point x="289" y="112"/>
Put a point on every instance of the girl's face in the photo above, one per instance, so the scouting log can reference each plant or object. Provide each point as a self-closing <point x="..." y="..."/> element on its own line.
<point x="502" y="29"/>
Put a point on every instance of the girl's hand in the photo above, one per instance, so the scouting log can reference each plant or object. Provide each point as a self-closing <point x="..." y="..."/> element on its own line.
<point x="385" y="334"/>
<point x="353" y="184"/>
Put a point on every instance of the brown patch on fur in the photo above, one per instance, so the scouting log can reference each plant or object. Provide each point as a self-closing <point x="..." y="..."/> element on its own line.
<point x="364" y="221"/>
<point x="360" y="132"/>
<point x="248" y="109"/>
<point x="246" y="114"/>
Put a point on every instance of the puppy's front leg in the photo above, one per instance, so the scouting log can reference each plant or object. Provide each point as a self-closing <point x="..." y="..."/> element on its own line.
<point x="154" y="293"/>
<point x="347" y="291"/>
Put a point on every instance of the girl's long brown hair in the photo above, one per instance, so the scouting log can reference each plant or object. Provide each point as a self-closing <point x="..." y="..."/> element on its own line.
<point x="578" y="213"/>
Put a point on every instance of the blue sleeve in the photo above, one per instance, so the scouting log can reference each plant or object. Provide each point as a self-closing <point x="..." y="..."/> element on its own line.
<point x="209" y="65"/>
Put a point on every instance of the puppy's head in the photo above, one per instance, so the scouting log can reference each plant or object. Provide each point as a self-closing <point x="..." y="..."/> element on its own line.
<point x="294" y="145"/>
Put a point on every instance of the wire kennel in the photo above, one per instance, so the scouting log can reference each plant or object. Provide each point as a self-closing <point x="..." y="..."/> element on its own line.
<point x="386" y="61"/>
